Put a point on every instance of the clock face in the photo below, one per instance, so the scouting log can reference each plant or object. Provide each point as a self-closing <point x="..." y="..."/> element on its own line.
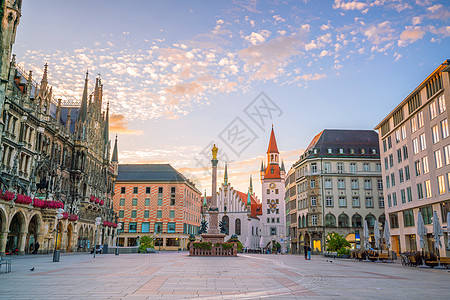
<point x="272" y="185"/>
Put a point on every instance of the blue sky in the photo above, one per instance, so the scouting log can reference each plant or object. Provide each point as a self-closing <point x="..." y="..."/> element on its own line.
<point x="178" y="73"/>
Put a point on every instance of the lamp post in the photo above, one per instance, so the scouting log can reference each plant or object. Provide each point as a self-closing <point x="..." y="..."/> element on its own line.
<point x="98" y="221"/>
<point x="158" y="229"/>
<point x="119" y="227"/>
<point x="56" y="252"/>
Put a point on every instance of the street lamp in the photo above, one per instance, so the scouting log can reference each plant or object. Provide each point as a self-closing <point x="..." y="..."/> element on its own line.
<point x="158" y="229"/>
<point x="59" y="216"/>
<point x="119" y="227"/>
<point x="98" y="220"/>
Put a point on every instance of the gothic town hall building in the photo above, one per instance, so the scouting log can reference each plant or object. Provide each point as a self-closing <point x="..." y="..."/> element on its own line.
<point x="53" y="154"/>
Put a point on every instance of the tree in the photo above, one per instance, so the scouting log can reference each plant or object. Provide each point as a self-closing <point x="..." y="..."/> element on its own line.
<point x="146" y="242"/>
<point x="335" y="242"/>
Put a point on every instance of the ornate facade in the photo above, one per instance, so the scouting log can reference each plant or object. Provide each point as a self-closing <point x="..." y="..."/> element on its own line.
<point x="53" y="154"/>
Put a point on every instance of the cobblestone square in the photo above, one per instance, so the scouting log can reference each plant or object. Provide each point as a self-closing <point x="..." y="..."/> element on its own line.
<point x="174" y="275"/>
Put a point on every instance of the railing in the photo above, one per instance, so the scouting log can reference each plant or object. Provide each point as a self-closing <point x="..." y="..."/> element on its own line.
<point x="214" y="251"/>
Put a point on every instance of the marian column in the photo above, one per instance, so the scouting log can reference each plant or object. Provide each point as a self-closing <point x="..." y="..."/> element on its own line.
<point x="213" y="210"/>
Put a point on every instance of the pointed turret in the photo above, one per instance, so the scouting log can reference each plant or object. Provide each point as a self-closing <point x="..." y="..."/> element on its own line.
<point x="205" y="202"/>
<point x="225" y="176"/>
<point x="84" y="100"/>
<point x="282" y="166"/>
<point x="44" y="76"/>
<point x="115" y="157"/>
<point x="249" y="198"/>
<point x="251" y="185"/>
<point x="273" y="148"/>
<point x="106" y="129"/>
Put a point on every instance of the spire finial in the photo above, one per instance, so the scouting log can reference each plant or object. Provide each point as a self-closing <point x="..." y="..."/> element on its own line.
<point x="225" y="176"/>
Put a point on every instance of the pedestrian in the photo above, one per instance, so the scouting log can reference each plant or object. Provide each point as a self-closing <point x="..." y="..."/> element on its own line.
<point x="305" y="250"/>
<point x="31" y="250"/>
<point x="309" y="253"/>
<point x="36" y="248"/>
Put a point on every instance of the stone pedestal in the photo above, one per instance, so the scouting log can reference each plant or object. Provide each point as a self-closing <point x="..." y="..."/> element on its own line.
<point x="213" y="222"/>
<point x="213" y="238"/>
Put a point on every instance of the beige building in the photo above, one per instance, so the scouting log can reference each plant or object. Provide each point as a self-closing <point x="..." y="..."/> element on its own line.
<point x="416" y="161"/>
<point x="338" y="185"/>
<point x="291" y="210"/>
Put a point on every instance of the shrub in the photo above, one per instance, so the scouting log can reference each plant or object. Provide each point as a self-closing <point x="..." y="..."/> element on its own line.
<point x="336" y="241"/>
<point x="145" y="242"/>
<point x="343" y="251"/>
<point x="203" y="245"/>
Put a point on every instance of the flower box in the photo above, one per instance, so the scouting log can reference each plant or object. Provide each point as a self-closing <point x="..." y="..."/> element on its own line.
<point x="65" y="215"/>
<point x="7" y="196"/>
<point x="73" y="218"/>
<point x="39" y="203"/>
<point x="102" y="202"/>
<point x="92" y="199"/>
<point x="97" y="201"/>
<point x="22" y="199"/>
<point x="54" y="204"/>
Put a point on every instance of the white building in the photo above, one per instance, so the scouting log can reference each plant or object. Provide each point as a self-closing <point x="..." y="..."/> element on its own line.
<point x="256" y="223"/>
<point x="273" y="219"/>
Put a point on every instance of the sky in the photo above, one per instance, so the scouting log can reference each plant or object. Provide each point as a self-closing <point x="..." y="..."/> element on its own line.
<point x="182" y="75"/>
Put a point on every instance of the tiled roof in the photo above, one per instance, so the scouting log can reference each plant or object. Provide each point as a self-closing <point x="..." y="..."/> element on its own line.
<point x="149" y="172"/>
<point x="336" y="139"/>
<point x="273" y="148"/>
<point x="272" y="175"/>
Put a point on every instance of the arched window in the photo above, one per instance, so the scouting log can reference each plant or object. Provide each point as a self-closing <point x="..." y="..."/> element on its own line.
<point x="356" y="221"/>
<point x="303" y="221"/>
<point x="382" y="219"/>
<point x="330" y="220"/>
<point x="226" y="224"/>
<point x="237" y="225"/>
<point x="343" y="220"/>
<point x="370" y="220"/>
<point x="300" y="222"/>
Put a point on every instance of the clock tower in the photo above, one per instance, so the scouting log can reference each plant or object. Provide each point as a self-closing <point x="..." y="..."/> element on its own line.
<point x="273" y="217"/>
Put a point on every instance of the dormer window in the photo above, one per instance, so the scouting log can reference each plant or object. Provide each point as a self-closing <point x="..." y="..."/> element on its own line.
<point x="352" y="151"/>
<point x="330" y="151"/>
<point x="363" y="151"/>
<point x="341" y="151"/>
<point x="315" y="151"/>
<point x="374" y="151"/>
<point x="272" y="170"/>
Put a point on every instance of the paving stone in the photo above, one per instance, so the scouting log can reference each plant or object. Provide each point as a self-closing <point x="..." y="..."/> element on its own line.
<point x="174" y="275"/>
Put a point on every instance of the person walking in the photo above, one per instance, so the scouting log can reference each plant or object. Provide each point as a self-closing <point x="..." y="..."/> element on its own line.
<point x="36" y="248"/>
<point x="305" y="250"/>
<point x="309" y="253"/>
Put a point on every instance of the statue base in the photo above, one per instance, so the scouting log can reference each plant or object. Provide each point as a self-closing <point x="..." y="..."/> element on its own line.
<point x="213" y="237"/>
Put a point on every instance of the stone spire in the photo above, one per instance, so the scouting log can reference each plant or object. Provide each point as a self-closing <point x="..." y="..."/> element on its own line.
<point x="251" y="185"/>
<point x="225" y="176"/>
<point x="115" y="157"/>
<point x="84" y="100"/>
<point x="282" y="166"/>
<point x="106" y="129"/>
<point x="249" y="198"/>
